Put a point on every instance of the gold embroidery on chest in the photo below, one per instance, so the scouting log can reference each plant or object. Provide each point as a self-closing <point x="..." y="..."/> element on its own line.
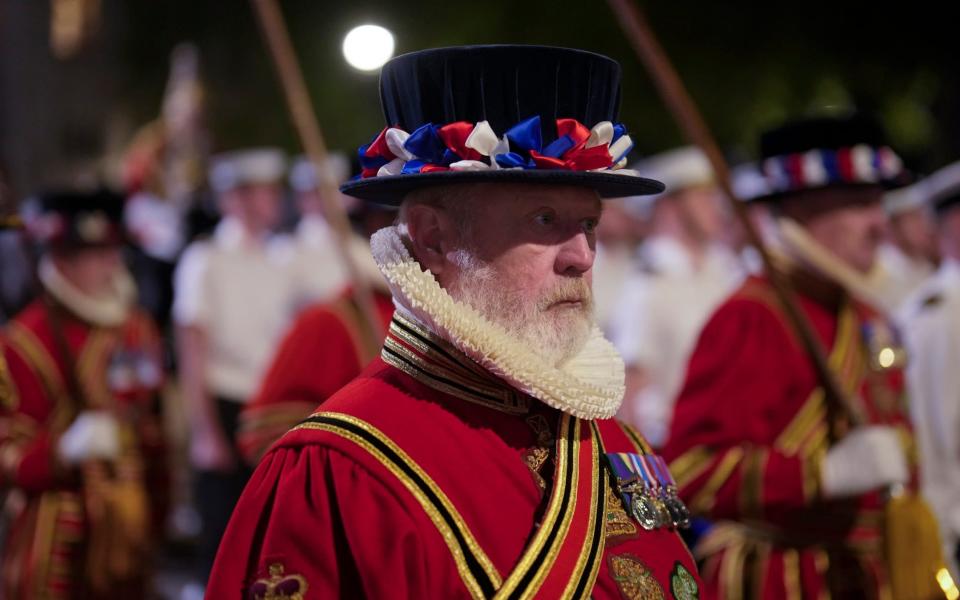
<point x="634" y="579"/>
<point x="538" y="455"/>
<point x="683" y="586"/>
<point x="619" y="525"/>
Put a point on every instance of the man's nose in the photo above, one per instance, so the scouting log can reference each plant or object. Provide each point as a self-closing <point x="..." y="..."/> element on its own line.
<point x="576" y="255"/>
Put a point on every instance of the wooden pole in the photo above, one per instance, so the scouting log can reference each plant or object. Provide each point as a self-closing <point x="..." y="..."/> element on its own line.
<point x="277" y="38"/>
<point x="691" y="122"/>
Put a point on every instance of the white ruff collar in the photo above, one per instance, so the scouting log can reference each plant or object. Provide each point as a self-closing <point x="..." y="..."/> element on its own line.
<point x="588" y="386"/>
<point x="104" y="311"/>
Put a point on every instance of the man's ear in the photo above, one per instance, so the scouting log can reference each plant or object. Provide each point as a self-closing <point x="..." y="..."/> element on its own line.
<point x="427" y="228"/>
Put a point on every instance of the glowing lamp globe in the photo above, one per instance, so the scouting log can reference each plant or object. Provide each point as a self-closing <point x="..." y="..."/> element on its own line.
<point x="368" y="47"/>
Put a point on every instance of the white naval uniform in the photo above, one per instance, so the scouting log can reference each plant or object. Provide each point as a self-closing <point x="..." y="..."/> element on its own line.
<point x="319" y="273"/>
<point x="931" y="323"/>
<point x="657" y="322"/>
<point x="896" y="276"/>
<point x="613" y="266"/>
<point x="240" y="291"/>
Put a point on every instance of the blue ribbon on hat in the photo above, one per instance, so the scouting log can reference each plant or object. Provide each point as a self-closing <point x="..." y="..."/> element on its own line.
<point x="559" y="146"/>
<point x="425" y="144"/>
<point x="524" y="136"/>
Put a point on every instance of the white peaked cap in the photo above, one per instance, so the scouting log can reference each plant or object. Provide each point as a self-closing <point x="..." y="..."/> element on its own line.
<point x="678" y="169"/>
<point x="905" y="199"/>
<point x="943" y="184"/>
<point x="243" y="167"/>
<point x="303" y="175"/>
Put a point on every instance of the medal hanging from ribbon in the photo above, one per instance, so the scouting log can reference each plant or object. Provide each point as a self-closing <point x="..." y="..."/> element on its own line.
<point x="648" y="490"/>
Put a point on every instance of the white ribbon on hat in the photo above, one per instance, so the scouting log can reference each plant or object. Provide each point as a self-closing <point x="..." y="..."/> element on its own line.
<point x="601" y="133"/>
<point x="394" y="167"/>
<point x="396" y="138"/>
<point x="861" y="156"/>
<point x="484" y="140"/>
<point x="890" y="163"/>
<point x="619" y="149"/>
<point x="814" y="173"/>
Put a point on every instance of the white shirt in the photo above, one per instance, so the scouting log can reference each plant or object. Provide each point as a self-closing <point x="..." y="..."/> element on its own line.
<point x="931" y="322"/>
<point x="318" y="267"/>
<point x="612" y="267"/>
<point x="896" y="276"/>
<point x="658" y="320"/>
<point x="240" y="291"/>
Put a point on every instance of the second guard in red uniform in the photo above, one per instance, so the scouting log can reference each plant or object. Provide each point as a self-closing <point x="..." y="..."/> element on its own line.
<point x="796" y="485"/>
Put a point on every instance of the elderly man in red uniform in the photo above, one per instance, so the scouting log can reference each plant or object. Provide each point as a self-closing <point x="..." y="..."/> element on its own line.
<point x="476" y="457"/>
<point x="796" y="485"/>
<point x="79" y="434"/>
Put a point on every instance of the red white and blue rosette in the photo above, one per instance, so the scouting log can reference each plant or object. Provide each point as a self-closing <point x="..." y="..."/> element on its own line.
<point x="465" y="146"/>
<point x="860" y="164"/>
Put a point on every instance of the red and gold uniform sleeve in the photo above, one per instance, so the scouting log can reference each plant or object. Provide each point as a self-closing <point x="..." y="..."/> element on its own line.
<point x="315" y="519"/>
<point x="27" y="456"/>
<point x="744" y="388"/>
<point x="317" y="357"/>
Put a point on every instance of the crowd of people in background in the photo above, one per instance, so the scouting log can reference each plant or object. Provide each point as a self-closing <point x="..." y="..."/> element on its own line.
<point x="245" y="302"/>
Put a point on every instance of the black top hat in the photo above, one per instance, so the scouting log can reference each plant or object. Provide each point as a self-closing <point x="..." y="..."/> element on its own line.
<point x="69" y="218"/>
<point x="498" y="113"/>
<point x="822" y="152"/>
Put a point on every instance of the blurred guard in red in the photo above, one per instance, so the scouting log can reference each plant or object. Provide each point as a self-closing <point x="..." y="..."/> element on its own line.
<point x="796" y="486"/>
<point x="80" y="438"/>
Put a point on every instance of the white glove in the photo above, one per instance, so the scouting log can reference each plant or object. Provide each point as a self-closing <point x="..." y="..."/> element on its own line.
<point x="92" y="435"/>
<point x="867" y="459"/>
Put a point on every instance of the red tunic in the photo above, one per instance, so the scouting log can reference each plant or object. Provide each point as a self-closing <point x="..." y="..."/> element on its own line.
<point x="51" y="531"/>
<point x="749" y="431"/>
<point x="427" y="478"/>
<point x="323" y="350"/>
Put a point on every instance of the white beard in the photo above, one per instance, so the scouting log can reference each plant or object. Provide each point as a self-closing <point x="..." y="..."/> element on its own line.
<point x="589" y="385"/>
<point x="556" y="333"/>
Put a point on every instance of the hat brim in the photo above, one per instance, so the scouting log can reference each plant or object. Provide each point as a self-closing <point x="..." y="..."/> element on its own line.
<point x="390" y="190"/>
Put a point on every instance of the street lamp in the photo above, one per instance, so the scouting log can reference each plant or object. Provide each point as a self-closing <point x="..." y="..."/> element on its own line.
<point x="367" y="47"/>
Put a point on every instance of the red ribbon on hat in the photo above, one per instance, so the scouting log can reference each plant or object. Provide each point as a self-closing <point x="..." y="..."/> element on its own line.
<point x="454" y="136"/>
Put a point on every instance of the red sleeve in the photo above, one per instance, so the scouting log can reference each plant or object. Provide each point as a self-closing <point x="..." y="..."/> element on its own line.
<point x="741" y="388"/>
<point x="316" y="358"/>
<point x="27" y="460"/>
<point x="315" y="514"/>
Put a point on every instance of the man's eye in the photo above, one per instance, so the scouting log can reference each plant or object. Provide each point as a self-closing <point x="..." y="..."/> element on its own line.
<point x="544" y="219"/>
<point x="590" y="225"/>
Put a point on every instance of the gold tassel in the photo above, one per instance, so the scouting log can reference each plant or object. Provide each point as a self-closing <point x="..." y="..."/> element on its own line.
<point x="914" y="553"/>
<point x="118" y="525"/>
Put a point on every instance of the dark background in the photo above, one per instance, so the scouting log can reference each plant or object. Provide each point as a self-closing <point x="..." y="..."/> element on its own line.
<point x="748" y="65"/>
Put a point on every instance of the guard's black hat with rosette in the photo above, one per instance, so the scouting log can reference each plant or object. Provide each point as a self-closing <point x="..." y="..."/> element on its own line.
<point x="69" y="218"/>
<point x="528" y="114"/>
<point x="845" y="151"/>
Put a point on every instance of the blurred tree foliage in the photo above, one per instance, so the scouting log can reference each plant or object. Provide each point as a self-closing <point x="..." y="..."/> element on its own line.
<point x="748" y="64"/>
